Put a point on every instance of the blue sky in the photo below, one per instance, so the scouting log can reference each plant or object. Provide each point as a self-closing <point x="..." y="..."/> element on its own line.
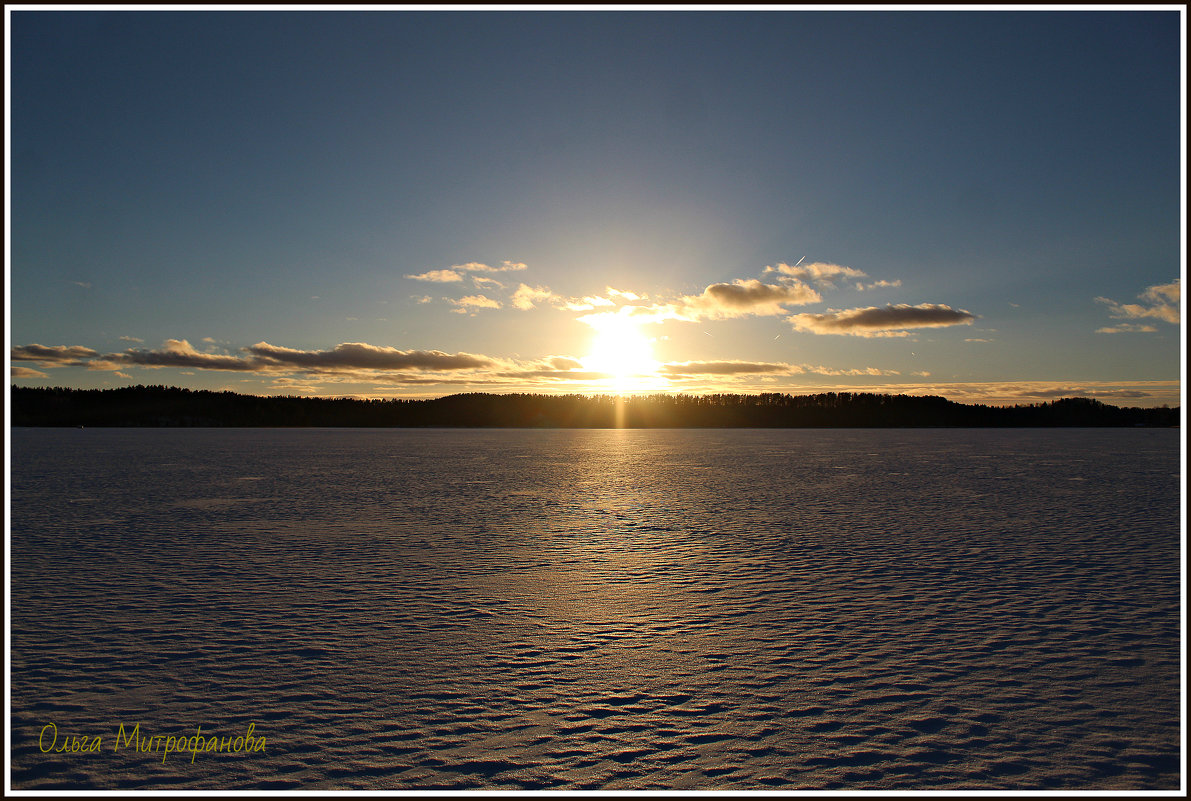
<point x="980" y="204"/>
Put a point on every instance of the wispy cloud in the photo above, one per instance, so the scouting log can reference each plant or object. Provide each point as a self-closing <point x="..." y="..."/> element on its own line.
<point x="526" y="298"/>
<point x="557" y="375"/>
<point x="18" y="371"/>
<point x="822" y="274"/>
<point x="1160" y="302"/>
<point x="465" y="304"/>
<point x="505" y="267"/>
<point x="586" y="303"/>
<point x="1127" y="328"/>
<point x="854" y="371"/>
<point x="725" y="368"/>
<point x="480" y="281"/>
<point x="456" y="271"/>
<point x="1076" y="390"/>
<point x="731" y="368"/>
<point x="131" y="339"/>
<point x="438" y="276"/>
<point x="860" y="286"/>
<point x="889" y="321"/>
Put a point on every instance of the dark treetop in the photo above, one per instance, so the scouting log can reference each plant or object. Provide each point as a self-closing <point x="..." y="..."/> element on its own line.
<point x="172" y="406"/>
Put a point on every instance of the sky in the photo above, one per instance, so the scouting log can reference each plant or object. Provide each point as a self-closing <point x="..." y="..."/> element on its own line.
<point x="977" y="203"/>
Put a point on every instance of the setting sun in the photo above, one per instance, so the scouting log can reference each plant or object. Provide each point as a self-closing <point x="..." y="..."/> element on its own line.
<point x="620" y="349"/>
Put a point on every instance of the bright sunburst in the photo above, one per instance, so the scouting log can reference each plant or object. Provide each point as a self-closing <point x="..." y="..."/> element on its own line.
<point x="623" y="351"/>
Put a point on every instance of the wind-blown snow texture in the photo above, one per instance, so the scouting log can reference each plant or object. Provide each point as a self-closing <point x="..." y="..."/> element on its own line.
<point x="777" y="609"/>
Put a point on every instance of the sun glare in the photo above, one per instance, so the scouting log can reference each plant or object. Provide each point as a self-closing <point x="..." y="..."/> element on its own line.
<point x="621" y="350"/>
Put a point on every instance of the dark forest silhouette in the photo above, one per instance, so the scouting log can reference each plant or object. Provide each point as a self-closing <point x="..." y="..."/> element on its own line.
<point x="174" y="406"/>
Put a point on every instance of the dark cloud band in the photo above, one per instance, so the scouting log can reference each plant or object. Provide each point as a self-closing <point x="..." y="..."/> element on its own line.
<point x="891" y="320"/>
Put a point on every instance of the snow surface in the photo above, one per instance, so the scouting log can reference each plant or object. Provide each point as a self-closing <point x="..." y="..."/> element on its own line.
<point x="698" y="609"/>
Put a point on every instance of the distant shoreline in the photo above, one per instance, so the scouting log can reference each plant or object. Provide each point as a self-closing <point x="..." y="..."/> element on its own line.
<point x="173" y="407"/>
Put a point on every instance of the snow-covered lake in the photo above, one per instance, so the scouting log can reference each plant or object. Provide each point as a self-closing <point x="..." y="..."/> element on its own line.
<point x="596" y="609"/>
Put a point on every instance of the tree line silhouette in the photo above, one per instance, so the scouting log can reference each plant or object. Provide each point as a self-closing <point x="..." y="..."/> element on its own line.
<point x="175" y="406"/>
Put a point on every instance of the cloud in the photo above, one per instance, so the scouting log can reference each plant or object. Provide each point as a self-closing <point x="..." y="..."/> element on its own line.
<point x="743" y="297"/>
<point x="52" y="355"/>
<point x="554" y="368"/>
<point x="259" y="358"/>
<point x="729" y="368"/>
<point x="819" y="273"/>
<point x="619" y="293"/>
<point x="455" y="272"/>
<point x="889" y="321"/>
<point x="480" y="281"/>
<point x="83" y="284"/>
<point x="1168" y="293"/>
<point x="174" y="353"/>
<point x="1160" y="302"/>
<point x="860" y="287"/>
<point x="477" y="267"/>
<point x="104" y="364"/>
<point x="824" y="275"/>
<point x="567" y="375"/>
<point x="1127" y="328"/>
<point x="525" y="296"/>
<point x="358" y="355"/>
<point x="583" y="304"/>
<point x="821" y="370"/>
<point x="1121" y="393"/>
<point x="438" y="276"/>
<point x="131" y="339"/>
<point x="725" y="368"/>
<point x="17" y="371"/>
<point x="724" y="300"/>
<point x="475" y="302"/>
<point x="1079" y="391"/>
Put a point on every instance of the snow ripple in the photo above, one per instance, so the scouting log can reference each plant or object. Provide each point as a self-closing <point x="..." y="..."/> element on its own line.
<point x="600" y="609"/>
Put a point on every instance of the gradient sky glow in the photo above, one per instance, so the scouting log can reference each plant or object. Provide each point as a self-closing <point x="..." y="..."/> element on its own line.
<point x="980" y="204"/>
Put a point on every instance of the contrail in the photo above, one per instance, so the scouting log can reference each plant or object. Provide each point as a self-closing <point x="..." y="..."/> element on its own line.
<point x="799" y="261"/>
